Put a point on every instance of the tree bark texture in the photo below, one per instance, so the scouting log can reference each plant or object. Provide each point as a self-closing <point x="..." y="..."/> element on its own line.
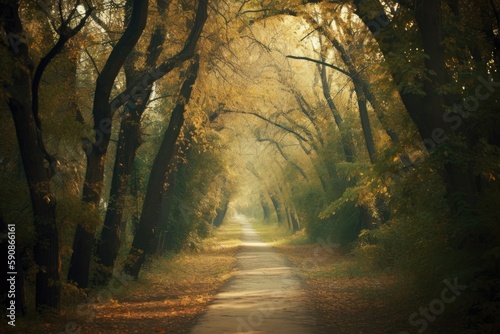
<point x="83" y="242"/>
<point x="152" y="201"/>
<point x="129" y="141"/>
<point x="36" y="162"/>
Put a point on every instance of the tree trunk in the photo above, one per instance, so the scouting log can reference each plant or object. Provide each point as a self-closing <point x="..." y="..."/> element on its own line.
<point x="460" y="182"/>
<point x="163" y="229"/>
<point x="129" y="141"/>
<point x="266" y="211"/>
<point x="155" y="189"/>
<point x="278" y="209"/>
<point x="363" y="92"/>
<point x="386" y="40"/>
<point x="426" y="111"/>
<point x="110" y="240"/>
<point x="365" y="123"/>
<point x="295" y="222"/>
<point x="35" y="161"/>
<point x="310" y="114"/>
<point x="134" y="192"/>
<point x="379" y="112"/>
<point x="345" y="136"/>
<point x="221" y="213"/>
<point x="361" y="99"/>
<point x="83" y="242"/>
<point x="288" y="218"/>
<point x="46" y="248"/>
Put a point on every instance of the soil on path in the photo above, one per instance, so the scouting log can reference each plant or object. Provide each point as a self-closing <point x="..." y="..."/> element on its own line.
<point x="264" y="296"/>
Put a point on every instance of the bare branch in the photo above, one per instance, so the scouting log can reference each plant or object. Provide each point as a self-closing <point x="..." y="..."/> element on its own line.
<point x="281" y="126"/>
<point x="285" y="156"/>
<point x="321" y="63"/>
<point x="65" y="34"/>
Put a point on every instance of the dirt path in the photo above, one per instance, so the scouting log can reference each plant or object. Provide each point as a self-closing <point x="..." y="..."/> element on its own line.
<point x="265" y="296"/>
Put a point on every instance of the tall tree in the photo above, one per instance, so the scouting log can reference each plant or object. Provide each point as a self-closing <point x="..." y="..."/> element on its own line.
<point x="38" y="164"/>
<point x="428" y="108"/>
<point x="83" y="242"/>
<point x="152" y="202"/>
<point x="129" y="140"/>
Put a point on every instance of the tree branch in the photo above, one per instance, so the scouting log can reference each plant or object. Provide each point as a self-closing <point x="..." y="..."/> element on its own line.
<point x="283" y="127"/>
<point x="285" y="156"/>
<point x="321" y="63"/>
<point x="65" y="34"/>
<point x="143" y="82"/>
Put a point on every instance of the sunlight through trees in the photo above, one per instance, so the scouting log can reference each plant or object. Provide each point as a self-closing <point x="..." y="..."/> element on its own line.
<point x="133" y="129"/>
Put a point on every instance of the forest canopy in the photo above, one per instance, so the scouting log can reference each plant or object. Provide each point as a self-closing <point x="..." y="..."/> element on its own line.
<point x="130" y="127"/>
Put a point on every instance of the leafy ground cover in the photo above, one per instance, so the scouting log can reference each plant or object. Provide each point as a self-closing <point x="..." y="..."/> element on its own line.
<point x="166" y="298"/>
<point x="351" y="298"/>
<point x="347" y="296"/>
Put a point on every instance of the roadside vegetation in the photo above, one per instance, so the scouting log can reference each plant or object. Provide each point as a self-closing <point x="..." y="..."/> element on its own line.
<point x="166" y="299"/>
<point x="349" y="294"/>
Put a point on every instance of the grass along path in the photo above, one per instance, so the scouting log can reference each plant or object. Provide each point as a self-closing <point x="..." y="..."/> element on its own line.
<point x="170" y="293"/>
<point x="348" y="297"/>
